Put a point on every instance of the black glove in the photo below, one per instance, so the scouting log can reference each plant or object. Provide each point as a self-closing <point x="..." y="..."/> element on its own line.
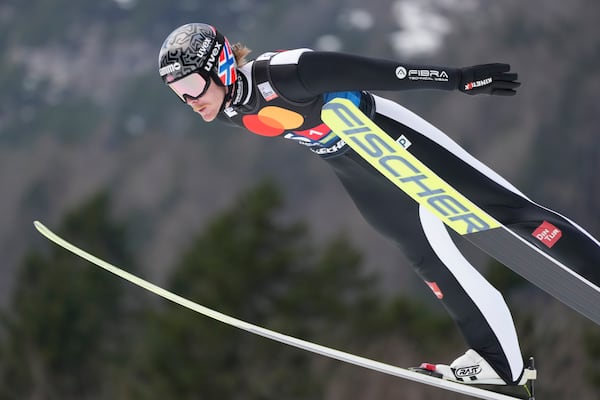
<point x="489" y="79"/>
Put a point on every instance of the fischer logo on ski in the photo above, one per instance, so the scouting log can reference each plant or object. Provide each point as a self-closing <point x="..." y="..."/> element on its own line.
<point x="404" y="170"/>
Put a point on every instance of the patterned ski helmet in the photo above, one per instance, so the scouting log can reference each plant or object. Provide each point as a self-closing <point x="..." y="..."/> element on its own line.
<point x="197" y="48"/>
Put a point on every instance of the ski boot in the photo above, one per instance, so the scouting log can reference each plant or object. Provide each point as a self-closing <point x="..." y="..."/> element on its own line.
<point x="471" y="368"/>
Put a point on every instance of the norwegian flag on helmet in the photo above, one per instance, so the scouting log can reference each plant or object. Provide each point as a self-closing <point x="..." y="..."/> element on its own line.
<point x="227" y="65"/>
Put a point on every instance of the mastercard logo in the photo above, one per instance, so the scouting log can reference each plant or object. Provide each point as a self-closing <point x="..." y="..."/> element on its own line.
<point x="272" y="121"/>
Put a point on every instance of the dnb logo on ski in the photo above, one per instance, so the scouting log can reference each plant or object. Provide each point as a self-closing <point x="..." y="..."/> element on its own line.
<point x="404" y="170"/>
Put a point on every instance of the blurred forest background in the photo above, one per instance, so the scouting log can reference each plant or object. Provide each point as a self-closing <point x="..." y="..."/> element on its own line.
<point x="92" y="144"/>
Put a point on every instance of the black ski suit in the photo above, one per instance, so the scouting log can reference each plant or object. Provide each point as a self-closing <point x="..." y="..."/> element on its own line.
<point x="281" y="94"/>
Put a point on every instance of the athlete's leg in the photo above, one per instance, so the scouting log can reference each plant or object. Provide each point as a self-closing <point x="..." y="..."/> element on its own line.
<point x="464" y="280"/>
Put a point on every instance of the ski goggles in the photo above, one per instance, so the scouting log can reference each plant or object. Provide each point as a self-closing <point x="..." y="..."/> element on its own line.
<point x="193" y="85"/>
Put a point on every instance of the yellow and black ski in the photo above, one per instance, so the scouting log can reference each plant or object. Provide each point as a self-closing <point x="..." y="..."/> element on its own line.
<point x="505" y="243"/>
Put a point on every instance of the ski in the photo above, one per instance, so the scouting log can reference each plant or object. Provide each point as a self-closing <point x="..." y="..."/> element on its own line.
<point x="272" y="335"/>
<point x="504" y="243"/>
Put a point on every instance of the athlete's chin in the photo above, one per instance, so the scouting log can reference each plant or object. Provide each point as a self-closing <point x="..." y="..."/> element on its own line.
<point x="209" y="116"/>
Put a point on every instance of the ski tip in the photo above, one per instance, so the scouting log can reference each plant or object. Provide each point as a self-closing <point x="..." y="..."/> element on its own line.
<point x="39" y="226"/>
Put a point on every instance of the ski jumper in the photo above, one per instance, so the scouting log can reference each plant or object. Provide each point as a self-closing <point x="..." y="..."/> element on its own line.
<point x="281" y="94"/>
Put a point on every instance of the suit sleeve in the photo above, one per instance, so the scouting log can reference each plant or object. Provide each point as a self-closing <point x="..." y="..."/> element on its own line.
<point x="317" y="72"/>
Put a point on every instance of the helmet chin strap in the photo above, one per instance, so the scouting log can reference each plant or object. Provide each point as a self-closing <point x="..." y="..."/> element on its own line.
<point x="227" y="98"/>
<point x="232" y="90"/>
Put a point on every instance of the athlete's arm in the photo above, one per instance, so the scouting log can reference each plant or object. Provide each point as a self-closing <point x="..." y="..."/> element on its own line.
<point x="302" y="74"/>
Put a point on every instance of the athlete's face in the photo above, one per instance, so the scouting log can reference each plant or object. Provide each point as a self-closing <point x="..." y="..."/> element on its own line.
<point x="209" y="104"/>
